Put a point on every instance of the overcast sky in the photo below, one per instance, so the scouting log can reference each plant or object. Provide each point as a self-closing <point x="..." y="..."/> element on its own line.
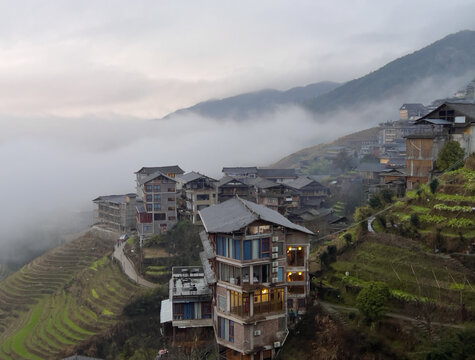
<point x="147" y="58"/>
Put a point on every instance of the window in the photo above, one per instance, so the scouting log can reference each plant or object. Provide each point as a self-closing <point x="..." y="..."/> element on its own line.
<point x="261" y="273"/>
<point x="147" y="228"/>
<point x="221" y="303"/>
<point x="295" y="256"/>
<point x="261" y="229"/>
<point x="177" y="311"/>
<point x="172" y="218"/>
<point x="301" y="303"/>
<point x="156" y="198"/>
<point x="156" y="188"/>
<point x="149" y="198"/>
<point x="149" y="207"/>
<point x="295" y="276"/>
<point x="226" y="329"/>
<point x="240" y="303"/>
<point x="171" y="208"/>
<point x="228" y="247"/>
<point x="280" y="274"/>
<point x="201" y="197"/>
<point x="148" y="188"/>
<point x="159" y="216"/>
<point x="268" y="300"/>
<point x="229" y="273"/>
<point x="156" y="206"/>
<point x="206" y="310"/>
<point x="296" y="289"/>
<point x="172" y="199"/>
<point x="171" y="189"/>
<point x="265" y="248"/>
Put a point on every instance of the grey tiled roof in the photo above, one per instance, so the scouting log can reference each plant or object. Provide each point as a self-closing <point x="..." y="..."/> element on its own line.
<point x="153" y="176"/>
<point x="120" y="199"/>
<point x="173" y="169"/>
<point x="226" y="179"/>
<point x="276" y="172"/>
<point x="301" y="182"/>
<point x="371" y="167"/>
<point x="240" y="170"/>
<point x="260" y="182"/>
<point x="467" y="109"/>
<point x="186" y="178"/>
<point x="234" y="214"/>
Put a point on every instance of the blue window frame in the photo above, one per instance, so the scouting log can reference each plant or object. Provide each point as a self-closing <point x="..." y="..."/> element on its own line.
<point x="247" y="250"/>
<point x="237" y="249"/>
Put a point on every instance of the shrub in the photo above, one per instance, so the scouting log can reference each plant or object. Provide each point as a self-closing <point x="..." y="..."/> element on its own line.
<point x="415" y="219"/>
<point x="371" y="301"/>
<point x="450" y="156"/>
<point x="433" y="185"/>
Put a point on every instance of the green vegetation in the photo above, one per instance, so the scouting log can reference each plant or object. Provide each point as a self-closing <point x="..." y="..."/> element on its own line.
<point x="450" y="155"/>
<point x="61" y="299"/>
<point x="371" y="301"/>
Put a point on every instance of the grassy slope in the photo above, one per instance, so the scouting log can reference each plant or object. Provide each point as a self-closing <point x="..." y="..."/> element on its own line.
<point x="408" y="264"/>
<point x="61" y="299"/>
<point x="310" y="153"/>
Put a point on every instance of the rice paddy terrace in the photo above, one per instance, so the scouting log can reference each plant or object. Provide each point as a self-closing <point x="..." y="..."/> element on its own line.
<point x="60" y="299"/>
<point x="446" y="215"/>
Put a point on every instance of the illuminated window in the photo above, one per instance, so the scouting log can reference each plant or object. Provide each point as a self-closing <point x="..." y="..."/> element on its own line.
<point x="295" y="276"/>
<point x="295" y="256"/>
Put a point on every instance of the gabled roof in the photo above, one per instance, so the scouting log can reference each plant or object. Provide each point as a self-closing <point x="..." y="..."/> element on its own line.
<point x="154" y="176"/>
<point x="240" y="170"/>
<point x="301" y="182"/>
<point x="284" y="173"/>
<point x="235" y="214"/>
<point x="172" y="169"/>
<point x="227" y="179"/>
<point x="261" y="183"/>
<point x="370" y="167"/>
<point x="191" y="176"/>
<point x="118" y="199"/>
<point x="464" y="109"/>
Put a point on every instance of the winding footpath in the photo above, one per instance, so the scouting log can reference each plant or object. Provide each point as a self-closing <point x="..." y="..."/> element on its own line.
<point x="128" y="268"/>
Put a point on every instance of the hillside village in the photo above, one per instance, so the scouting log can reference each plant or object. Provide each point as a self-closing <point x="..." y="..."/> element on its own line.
<point x="268" y="262"/>
<point x="260" y="226"/>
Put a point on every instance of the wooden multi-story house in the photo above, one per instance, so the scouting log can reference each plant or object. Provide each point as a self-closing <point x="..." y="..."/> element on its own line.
<point x="258" y="262"/>
<point x="449" y="121"/>
<point x="311" y="193"/>
<point x="229" y="187"/>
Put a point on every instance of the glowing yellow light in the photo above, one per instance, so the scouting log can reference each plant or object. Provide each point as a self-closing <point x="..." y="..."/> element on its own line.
<point x="300" y="248"/>
<point x="264" y="291"/>
<point x="289" y="273"/>
<point x="300" y="273"/>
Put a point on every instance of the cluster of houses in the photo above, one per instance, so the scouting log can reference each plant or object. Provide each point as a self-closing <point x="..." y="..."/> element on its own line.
<point x="406" y="150"/>
<point x="165" y="195"/>
<point x="254" y="277"/>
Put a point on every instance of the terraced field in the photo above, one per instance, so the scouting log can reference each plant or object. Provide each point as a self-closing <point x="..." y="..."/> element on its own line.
<point x="446" y="216"/>
<point x="60" y="299"/>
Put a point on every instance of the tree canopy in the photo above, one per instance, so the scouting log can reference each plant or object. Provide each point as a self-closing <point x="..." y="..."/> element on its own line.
<point x="451" y="154"/>
<point x="371" y="301"/>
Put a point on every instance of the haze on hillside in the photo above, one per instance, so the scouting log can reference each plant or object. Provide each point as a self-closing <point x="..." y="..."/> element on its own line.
<point x="79" y="94"/>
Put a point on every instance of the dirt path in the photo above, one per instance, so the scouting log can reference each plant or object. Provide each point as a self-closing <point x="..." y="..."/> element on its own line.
<point x="335" y="307"/>
<point x="128" y="267"/>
